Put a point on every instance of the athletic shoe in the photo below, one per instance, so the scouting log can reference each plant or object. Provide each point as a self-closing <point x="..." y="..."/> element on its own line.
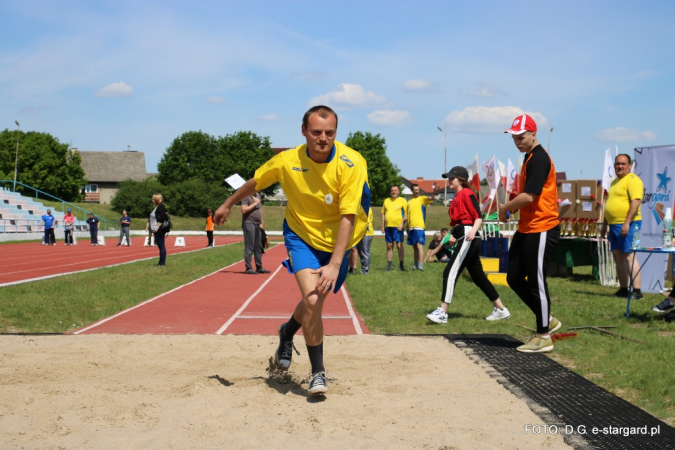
<point x="664" y="306"/>
<point x="637" y="296"/>
<point x="622" y="292"/>
<point x="317" y="385"/>
<point x="401" y="269"/>
<point x="554" y="325"/>
<point x="261" y="270"/>
<point x="284" y="353"/>
<point x="250" y="272"/>
<point x="388" y="269"/>
<point x="438" y="316"/>
<point x="498" y="314"/>
<point x="537" y="344"/>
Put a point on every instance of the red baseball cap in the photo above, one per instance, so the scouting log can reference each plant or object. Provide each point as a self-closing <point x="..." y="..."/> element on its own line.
<point x="522" y="124"/>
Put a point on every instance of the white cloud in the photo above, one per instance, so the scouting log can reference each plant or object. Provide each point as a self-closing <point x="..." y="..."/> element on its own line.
<point x="488" y="120"/>
<point x="268" y="118"/>
<point x="418" y="86"/>
<point x="622" y="134"/>
<point x="482" y="90"/>
<point x="119" y="89"/>
<point x="215" y="99"/>
<point x="348" y="94"/>
<point x="389" y="118"/>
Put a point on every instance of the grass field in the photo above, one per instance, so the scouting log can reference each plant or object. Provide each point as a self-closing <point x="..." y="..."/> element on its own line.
<point x="393" y="302"/>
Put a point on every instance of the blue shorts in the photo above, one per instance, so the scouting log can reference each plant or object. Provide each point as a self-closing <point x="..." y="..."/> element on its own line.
<point x="616" y="241"/>
<point x="416" y="237"/>
<point x="302" y="256"/>
<point x="392" y="234"/>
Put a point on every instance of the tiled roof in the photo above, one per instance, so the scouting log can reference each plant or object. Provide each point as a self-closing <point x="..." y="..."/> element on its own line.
<point x="113" y="166"/>
<point x="429" y="186"/>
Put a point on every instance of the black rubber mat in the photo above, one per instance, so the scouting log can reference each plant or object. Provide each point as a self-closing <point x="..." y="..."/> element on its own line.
<point x="586" y="415"/>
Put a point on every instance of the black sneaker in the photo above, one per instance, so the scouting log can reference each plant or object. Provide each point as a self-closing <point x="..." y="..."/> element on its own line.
<point x="401" y="269"/>
<point x="663" y="307"/>
<point x="250" y="272"/>
<point x="261" y="270"/>
<point x="284" y="353"/>
<point x="317" y="385"/>
<point x="636" y="295"/>
<point x="623" y="293"/>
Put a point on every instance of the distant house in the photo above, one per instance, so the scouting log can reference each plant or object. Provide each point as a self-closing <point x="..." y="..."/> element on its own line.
<point x="105" y="170"/>
<point x="428" y="187"/>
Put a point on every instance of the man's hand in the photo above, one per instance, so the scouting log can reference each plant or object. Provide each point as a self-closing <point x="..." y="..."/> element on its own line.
<point x="452" y="240"/>
<point x="503" y="214"/>
<point x="624" y="229"/>
<point x="603" y="230"/>
<point x="400" y="227"/>
<point x="220" y="217"/>
<point x="328" y="278"/>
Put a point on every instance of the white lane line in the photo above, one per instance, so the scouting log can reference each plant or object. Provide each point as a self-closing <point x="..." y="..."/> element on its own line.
<point x="357" y="325"/>
<point x="46" y="277"/>
<point x="100" y="322"/>
<point x="249" y="300"/>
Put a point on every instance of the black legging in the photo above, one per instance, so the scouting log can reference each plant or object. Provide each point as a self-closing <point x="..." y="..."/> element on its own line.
<point x="466" y="254"/>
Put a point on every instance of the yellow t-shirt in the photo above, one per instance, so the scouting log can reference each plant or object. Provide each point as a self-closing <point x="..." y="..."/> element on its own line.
<point x="621" y="193"/>
<point x="394" y="211"/>
<point x="369" y="230"/>
<point x="417" y="211"/>
<point x="320" y="193"/>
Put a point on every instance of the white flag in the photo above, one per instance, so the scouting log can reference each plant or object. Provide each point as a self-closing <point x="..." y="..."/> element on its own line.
<point x="492" y="173"/>
<point x="608" y="173"/>
<point x="474" y="176"/>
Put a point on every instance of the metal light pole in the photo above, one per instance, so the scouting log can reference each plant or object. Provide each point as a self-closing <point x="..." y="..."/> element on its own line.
<point x="16" y="158"/>
<point x="549" y="139"/>
<point x="445" y="162"/>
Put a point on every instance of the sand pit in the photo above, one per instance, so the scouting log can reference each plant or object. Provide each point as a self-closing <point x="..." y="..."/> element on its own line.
<point x="213" y="392"/>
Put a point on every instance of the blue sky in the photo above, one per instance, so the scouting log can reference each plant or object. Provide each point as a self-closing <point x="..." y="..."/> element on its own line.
<point x="112" y="75"/>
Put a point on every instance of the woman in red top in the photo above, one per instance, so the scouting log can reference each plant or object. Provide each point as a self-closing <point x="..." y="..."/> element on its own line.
<point x="465" y="219"/>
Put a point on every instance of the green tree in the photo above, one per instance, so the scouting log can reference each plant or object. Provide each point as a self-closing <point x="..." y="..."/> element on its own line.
<point x="192" y="155"/>
<point x="136" y="197"/>
<point x="243" y="152"/>
<point x="382" y="173"/>
<point x="44" y="163"/>
<point x="191" y="198"/>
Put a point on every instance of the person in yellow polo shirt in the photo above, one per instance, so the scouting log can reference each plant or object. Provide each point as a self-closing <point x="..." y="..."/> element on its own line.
<point x="393" y="220"/>
<point x="326" y="183"/>
<point x="622" y="213"/>
<point x="416" y="225"/>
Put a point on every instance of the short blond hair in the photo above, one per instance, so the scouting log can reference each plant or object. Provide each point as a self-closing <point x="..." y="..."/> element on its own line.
<point x="157" y="199"/>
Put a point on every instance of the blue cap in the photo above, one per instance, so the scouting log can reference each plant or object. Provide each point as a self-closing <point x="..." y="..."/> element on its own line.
<point x="69" y="209"/>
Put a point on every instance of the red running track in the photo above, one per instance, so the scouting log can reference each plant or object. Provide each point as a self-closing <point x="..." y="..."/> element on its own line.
<point x="231" y="302"/>
<point x="21" y="263"/>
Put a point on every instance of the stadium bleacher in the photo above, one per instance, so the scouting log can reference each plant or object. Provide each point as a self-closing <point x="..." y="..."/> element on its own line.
<point x="19" y="214"/>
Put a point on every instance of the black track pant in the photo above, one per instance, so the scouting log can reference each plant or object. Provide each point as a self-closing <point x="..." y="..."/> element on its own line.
<point x="529" y="255"/>
<point x="466" y="255"/>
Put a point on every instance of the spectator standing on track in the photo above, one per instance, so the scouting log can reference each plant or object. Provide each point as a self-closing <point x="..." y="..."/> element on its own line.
<point x="393" y="221"/>
<point x="125" y="222"/>
<point x="69" y="226"/>
<point x="622" y="213"/>
<point x="251" y="224"/>
<point x="209" y="227"/>
<point x="326" y="184"/>
<point x="416" y="225"/>
<point x="538" y="232"/>
<point x="49" y="221"/>
<point x="363" y="247"/>
<point x="157" y="218"/>
<point x="92" y="226"/>
<point x="466" y="220"/>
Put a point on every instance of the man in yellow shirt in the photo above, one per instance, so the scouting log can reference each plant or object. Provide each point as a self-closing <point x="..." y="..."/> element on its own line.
<point x="416" y="225"/>
<point x="622" y="214"/>
<point x="326" y="183"/>
<point x="393" y="221"/>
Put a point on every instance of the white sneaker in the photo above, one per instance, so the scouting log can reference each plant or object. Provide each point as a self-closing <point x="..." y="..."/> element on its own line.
<point x="499" y="314"/>
<point x="438" y="316"/>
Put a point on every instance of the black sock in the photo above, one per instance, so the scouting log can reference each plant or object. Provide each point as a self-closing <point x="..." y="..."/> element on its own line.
<point x="400" y="264"/>
<point x="388" y="264"/>
<point x="316" y="357"/>
<point x="637" y="291"/>
<point x="292" y="327"/>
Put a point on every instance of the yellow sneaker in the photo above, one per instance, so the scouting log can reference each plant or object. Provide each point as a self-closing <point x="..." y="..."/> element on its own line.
<point x="537" y="344"/>
<point x="554" y="325"/>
